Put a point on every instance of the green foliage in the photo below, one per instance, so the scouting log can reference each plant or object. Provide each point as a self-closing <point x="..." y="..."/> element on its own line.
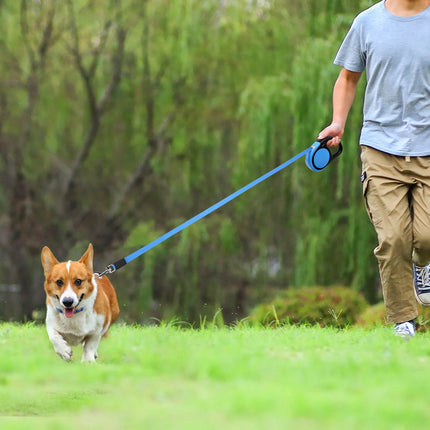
<point x="374" y="316"/>
<point x="326" y="306"/>
<point x="121" y="119"/>
<point x="422" y="322"/>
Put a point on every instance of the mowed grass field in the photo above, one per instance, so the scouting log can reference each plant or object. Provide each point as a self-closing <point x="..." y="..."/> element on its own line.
<point x="229" y="378"/>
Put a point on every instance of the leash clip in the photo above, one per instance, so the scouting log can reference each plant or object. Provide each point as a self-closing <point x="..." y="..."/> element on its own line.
<point x="108" y="271"/>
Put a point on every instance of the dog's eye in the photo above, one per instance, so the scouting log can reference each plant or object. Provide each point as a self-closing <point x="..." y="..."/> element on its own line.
<point x="59" y="283"/>
<point x="78" y="282"/>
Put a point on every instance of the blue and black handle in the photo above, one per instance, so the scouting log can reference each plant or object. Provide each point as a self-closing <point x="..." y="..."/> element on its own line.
<point x="319" y="157"/>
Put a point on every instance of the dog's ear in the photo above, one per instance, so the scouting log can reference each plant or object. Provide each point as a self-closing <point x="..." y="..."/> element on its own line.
<point x="87" y="258"/>
<point x="48" y="260"/>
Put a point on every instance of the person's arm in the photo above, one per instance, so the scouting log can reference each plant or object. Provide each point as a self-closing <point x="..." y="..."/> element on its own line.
<point x="343" y="96"/>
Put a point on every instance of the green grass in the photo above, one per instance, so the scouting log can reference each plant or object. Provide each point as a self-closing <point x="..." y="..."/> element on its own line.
<point x="253" y="378"/>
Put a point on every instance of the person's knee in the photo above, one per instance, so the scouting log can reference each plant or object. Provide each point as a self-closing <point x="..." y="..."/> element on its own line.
<point x="395" y="245"/>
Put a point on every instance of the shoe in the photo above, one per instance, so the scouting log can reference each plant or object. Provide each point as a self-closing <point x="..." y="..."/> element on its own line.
<point x="422" y="284"/>
<point x="405" y="329"/>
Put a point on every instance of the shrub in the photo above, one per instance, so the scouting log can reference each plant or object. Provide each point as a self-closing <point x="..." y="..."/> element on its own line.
<point x="376" y="316"/>
<point x="422" y="322"/>
<point x="373" y="316"/>
<point x="335" y="306"/>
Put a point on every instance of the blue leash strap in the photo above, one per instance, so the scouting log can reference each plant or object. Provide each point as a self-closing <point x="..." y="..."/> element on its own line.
<point x="120" y="263"/>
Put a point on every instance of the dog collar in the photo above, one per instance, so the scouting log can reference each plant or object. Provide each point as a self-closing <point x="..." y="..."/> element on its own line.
<point x="77" y="310"/>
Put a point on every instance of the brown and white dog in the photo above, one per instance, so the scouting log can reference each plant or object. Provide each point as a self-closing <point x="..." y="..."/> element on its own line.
<point x="80" y="308"/>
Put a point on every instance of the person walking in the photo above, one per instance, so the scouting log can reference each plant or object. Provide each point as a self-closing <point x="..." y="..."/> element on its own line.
<point x="390" y="41"/>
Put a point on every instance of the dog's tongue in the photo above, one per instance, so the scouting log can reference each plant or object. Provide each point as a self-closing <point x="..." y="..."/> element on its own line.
<point x="69" y="312"/>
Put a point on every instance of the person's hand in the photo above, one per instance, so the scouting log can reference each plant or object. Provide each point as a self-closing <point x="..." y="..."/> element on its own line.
<point x="335" y="130"/>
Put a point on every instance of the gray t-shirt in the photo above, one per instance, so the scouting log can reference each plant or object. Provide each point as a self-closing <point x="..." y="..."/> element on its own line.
<point x="395" y="52"/>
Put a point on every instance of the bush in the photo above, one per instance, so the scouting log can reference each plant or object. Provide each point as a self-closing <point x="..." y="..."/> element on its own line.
<point x="375" y="315"/>
<point x="335" y="306"/>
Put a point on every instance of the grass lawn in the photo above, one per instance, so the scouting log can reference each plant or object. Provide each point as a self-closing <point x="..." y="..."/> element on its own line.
<point x="240" y="378"/>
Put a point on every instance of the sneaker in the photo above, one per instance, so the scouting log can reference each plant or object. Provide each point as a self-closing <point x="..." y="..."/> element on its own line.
<point x="422" y="284"/>
<point x="405" y="329"/>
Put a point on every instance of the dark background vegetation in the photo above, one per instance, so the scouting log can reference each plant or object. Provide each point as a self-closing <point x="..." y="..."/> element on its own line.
<point x="121" y="119"/>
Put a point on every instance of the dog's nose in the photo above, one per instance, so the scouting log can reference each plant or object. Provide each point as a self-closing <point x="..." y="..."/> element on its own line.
<point x="67" y="302"/>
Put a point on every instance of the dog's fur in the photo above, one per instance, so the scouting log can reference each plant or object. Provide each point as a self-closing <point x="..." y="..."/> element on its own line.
<point x="80" y="308"/>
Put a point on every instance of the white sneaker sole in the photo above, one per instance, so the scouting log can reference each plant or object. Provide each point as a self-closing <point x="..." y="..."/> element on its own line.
<point x="422" y="299"/>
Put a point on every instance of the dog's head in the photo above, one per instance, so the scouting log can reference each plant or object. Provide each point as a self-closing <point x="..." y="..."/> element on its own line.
<point x="67" y="284"/>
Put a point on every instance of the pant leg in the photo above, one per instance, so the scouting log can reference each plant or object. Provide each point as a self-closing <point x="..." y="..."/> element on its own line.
<point x="387" y="195"/>
<point x="421" y="211"/>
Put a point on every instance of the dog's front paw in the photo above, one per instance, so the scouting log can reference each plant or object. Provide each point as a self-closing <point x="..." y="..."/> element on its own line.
<point x="89" y="357"/>
<point x="64" y="351"/>
<point x="90" y="348"/>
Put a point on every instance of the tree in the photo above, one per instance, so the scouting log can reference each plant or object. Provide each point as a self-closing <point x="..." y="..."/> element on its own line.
<point x="120" y="120"/>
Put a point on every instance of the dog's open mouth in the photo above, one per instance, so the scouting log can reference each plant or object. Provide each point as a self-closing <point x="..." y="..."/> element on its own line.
<point x="69" y="312"/>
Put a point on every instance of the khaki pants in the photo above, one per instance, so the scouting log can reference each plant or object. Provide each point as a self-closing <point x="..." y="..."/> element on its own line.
<point x="397" y="195"/>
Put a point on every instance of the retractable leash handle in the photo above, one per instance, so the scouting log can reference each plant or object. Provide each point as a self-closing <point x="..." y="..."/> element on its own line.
<point x="319" y="157"/>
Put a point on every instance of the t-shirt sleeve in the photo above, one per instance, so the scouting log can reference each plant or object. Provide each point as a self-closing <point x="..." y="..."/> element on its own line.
<point x="351" y="55"/>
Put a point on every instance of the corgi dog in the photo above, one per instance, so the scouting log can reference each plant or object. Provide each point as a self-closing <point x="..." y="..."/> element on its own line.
<point x="80" y="307"/>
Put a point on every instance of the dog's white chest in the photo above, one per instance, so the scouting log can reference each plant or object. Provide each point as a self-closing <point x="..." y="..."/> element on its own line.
<point x="74" y="330"/>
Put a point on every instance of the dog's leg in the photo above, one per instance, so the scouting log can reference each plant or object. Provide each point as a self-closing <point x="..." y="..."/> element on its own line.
<point x="61" y="347"/>
<point x="91" y="344"/>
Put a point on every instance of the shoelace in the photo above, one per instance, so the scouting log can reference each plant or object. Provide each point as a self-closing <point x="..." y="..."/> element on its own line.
<point x="423" y="277"/>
